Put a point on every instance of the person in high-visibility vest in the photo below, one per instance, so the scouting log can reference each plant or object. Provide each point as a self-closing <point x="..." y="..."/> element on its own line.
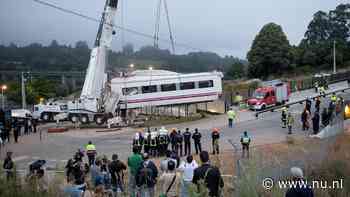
<point x="284" y="117"/>
<point x="146" y="141"/>
<point x="91" y="152"/>
<point x="245" y="141"/>
<point x="290" y="122"/>
<point x="322" y="91"/>
<point x="334" y="98"/>
<point x="231" y="114"/>
<point x="162" y="141"/>
<point x="153" y="143"/>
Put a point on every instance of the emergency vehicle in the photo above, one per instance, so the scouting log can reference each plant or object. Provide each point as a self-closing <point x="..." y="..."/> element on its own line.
<point x="271" y="93"/>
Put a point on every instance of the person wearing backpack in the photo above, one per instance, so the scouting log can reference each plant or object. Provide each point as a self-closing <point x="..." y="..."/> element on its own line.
<point x="117" y="168"/>
<point x="169" y="181"/>
<point x="146" y="177"/>
<point x="209" y="174"/>
<point x="187" y="169"/>
<point x="8" y="165"/>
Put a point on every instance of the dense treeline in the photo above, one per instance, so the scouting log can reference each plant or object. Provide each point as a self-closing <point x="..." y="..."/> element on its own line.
<point x="56" y="57"/>
<point x="271" y="53"/>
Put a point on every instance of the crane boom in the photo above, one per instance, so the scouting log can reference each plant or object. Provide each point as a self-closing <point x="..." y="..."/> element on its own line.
<point x="96" y="75"/>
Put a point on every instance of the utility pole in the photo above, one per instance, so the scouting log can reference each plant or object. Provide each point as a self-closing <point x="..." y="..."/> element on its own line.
<point x="334" y="59"/>
<point x="24" y="104"/>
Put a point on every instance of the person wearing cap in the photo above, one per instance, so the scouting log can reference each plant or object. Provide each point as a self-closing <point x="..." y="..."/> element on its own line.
<point x="91" y="152"/>
<point x="299" y="189"/>
<point x="197" y="140"/>
<point x="169" y="181"/>
<point x="146" y="177"/>
<point x="231" y="115"/>
<point x="8" y="165"/>
<point x="209" y="174"/>
<point x="215" y="136"/>
<point x="245" y="141"/>
<point x="187" y="139"/>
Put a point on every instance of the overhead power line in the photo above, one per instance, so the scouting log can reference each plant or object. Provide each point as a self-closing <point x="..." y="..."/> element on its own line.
<point x="115" y="26"/>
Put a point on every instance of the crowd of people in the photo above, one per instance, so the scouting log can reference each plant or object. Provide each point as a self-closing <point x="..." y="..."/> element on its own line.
<point x="308" y="120"/>
<point x="16" y="127"/>
<point x="173" y="177"/>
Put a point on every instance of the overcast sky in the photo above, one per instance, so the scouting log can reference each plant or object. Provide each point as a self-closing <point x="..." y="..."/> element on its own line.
<point x="226" y="27"/>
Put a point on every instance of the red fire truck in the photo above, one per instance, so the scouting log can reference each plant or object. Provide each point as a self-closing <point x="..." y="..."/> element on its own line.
<point x="270" y="94"/>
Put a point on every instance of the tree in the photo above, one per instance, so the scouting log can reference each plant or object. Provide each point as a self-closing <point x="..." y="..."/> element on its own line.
<point x="81" y="45"/>
<point x="270" y="52"/>
<point x="236" y="71"/>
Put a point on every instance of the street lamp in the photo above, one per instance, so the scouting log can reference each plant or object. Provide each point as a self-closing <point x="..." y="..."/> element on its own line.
<point x="131" y="65"/>
<point x="150" y="68"/>
<point x="3" y="88"/>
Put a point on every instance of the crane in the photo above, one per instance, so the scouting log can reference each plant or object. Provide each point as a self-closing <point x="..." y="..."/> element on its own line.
<point x="157" y="24"/>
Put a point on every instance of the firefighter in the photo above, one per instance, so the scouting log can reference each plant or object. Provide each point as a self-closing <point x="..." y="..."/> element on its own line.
<point x="215" y="136"/>
<point x="197" y="141"/>
<point x="187" y="139"/>
<point x="91" y="152"/>
<point x="245" y="141"/>
<point x="138" y="141"/>
<point x="290" y="121"/>
<point x="154" y="143"/>
<point x="163" y="141"/>
<point x="147" y="140"/>
<point x="179" y="141"/>
<point x="284" y="117"/>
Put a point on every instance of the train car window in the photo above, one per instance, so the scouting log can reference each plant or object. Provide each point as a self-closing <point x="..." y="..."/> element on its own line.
<point x="149" y="89"/>
<point x="206" y="84"/>
<point x="186" y="85"/>
<point x="130" y="91"/>
<point x="168" y="87"/>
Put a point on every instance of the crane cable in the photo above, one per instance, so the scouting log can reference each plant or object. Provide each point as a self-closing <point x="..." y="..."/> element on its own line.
<point x="156" y="28"/>
<point x="169" y="26"/>
<point x="116" y="26"/>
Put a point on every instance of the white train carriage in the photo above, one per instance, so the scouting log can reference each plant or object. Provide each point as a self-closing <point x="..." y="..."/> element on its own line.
<point x="145" y="88"/>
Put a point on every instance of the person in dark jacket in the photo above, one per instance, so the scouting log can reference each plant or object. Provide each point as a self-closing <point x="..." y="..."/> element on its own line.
<point x="215" y="136"/>
<point x="197" y="141"/>
<point x="117" y="168"/>
<point x="172" y="137"/>
<point x="146" y="177"/>
<point x="325" y="117"/>
<point x="210" y="174"/>
<point x="317" y="104"/>
<point x="17" y="129"/>
<point x="316" y="122"/>
<point x="187" y="139"/>
<point x="179" y="142"/>
<point x="308" y="104"/>
<point x="300" y="190"/>
<point x="8" y="165"/>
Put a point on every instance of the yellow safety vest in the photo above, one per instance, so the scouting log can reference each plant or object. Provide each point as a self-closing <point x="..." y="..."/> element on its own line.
<point x="90" y="147"/>
<point x="334" y="98"/>
<point x="231" y="114"/>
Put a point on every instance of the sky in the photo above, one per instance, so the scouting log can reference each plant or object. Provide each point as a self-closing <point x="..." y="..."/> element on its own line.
<point x="226" y="27"/>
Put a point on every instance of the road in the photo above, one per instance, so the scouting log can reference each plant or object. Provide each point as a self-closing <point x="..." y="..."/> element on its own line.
<point x="57" y="148"/>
